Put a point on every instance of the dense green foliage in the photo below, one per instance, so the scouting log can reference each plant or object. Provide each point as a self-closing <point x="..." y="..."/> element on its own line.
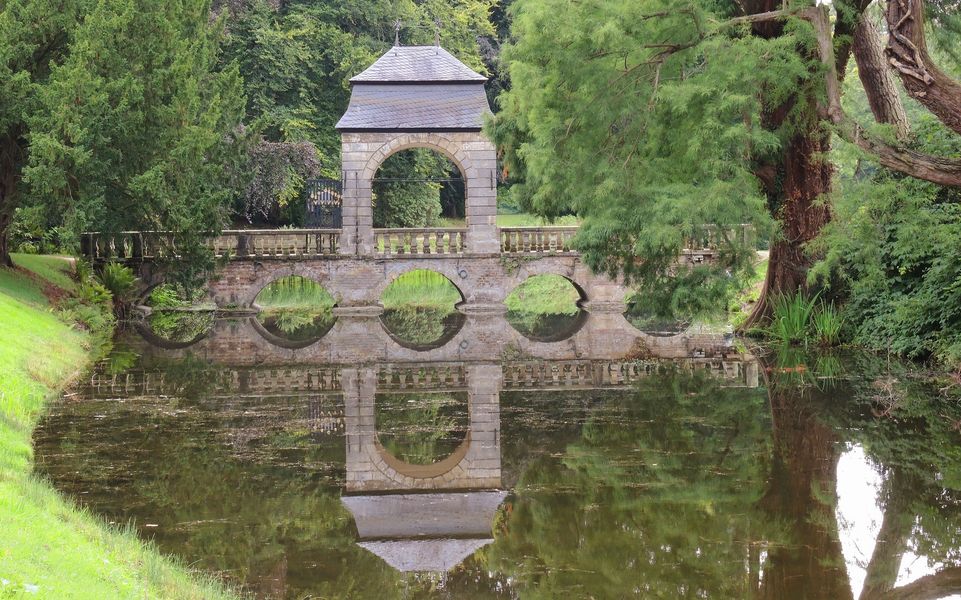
<point x="134" y="127"/>
<point x="296" y="62"/>
<point x="893" y="251"/>
<point x="587" y="128"/>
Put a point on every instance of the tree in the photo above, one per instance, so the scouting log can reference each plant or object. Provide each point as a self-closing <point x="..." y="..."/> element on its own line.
<point x="126" y="122"/>
<point x="296" y="57"/>
<point x="33" y="37"/>
<point x="652" y="118"/>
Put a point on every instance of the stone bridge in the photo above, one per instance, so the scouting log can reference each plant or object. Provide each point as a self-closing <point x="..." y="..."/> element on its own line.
<point x="252" y="259"/>
<point x="411" y="97"/>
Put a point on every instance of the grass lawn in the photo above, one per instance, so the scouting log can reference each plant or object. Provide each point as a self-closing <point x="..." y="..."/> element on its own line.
<point x="50" y="548"/>
<point x="515" y="220"/>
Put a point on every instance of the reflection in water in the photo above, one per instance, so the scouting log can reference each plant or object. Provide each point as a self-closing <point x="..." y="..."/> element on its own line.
<point x="179" y="326"/>
<point x="421" y="428"/>
<point x="422" y="328"/>
<point x="297" y="325"/>
<point x="540" y="327"/>
<point x="295" y="310"/>
<point x="586" y="478"/>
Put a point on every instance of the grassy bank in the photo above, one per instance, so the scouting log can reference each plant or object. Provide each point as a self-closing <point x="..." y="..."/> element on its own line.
<point x="51" y="548"/>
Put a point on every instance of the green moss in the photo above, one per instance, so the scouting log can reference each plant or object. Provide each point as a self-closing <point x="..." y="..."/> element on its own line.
<point x="51" y="548"/>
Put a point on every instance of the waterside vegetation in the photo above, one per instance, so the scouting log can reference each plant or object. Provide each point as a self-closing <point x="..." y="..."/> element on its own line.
<point x="51" y="547"/>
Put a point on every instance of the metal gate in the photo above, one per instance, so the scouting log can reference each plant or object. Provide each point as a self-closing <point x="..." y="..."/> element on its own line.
<point x="324" y="204"/>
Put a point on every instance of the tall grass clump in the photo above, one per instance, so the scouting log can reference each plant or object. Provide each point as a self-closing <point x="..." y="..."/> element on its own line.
<point x="791" y="319"/>
<point x="799" y="319"/>
<point x="827" y="323"/>
<point x="295" y="292"/>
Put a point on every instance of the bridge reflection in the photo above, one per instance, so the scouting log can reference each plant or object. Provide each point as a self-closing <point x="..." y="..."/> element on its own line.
<point x="363" y="339"/>
<point x="419" y="516"/>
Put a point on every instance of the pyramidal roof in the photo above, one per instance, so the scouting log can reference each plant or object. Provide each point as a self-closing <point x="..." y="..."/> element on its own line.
<point x="418" y="64"/>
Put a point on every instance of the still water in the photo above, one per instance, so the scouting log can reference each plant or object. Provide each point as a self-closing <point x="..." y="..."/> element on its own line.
<point x="502" y="464"/>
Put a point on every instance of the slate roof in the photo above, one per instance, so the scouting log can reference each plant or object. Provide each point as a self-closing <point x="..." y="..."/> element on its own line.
<point x="417" y="64"/>
<point x="416" y="88"/>
<point x="457" y="106"/>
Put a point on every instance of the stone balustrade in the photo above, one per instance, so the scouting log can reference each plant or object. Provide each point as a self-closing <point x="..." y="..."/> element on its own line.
<point x="537" y="240"/>
<point x="441" y="240"/>
<point x="322" y="243"/>
<point x="239" y="243"/>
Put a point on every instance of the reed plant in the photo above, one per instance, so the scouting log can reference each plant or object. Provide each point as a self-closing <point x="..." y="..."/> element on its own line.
<point x="827" y="323"/>
<point x="792" y="317"/>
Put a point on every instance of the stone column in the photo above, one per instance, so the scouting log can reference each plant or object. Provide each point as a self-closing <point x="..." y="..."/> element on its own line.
<point x="483" y="236"/>
<point x="357" y="237"/>
<point x="483" y="465"/>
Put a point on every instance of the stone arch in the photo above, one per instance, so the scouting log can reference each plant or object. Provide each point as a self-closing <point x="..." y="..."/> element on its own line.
<point x="538" y="268"/>
<point x="435" y="474"/>
<point x="362" y="154"/>
<point x="266" y="273"/>
<point x="394" y="270"/>
<point x="431" y="141"/>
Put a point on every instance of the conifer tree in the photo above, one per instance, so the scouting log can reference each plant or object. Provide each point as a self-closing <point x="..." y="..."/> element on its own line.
<point x="652" y="118"/>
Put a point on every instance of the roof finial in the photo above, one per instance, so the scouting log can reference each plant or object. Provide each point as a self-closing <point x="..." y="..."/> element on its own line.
<point x="397" y="25"/>
<point x="437" y="25"/>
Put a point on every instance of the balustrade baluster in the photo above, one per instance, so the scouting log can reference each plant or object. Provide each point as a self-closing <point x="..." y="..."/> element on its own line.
<point x="426" y="243"/>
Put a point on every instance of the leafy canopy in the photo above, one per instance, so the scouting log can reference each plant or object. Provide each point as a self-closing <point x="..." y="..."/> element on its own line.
<point x="645" y="118"/>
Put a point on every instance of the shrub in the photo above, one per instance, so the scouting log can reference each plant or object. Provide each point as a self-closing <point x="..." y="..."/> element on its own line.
<point x="119" y="279"/>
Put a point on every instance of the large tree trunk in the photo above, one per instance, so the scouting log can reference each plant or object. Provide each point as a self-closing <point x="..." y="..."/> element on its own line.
<point x="877" y="79"/>
<point x="802" y="214"/>
<point x="908" y="54"/>
<point x="794" y="186"/>
<point x="10" y="153"/>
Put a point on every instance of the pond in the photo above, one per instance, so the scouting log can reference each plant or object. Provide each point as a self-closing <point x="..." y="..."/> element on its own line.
<point x="605" y="464"/>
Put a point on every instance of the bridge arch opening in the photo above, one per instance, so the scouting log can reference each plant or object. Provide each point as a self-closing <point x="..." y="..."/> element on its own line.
<point x="420" y="310"/>
<point x="547" y="308"/>
<point x="294" y="311"/>
<point x="419" y="187"/>
<point x="423" y="434"/>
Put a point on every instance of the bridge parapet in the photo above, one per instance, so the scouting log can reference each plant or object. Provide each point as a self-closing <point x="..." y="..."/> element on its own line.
<point x="442" y="240"/>
<point x="231" y="244"/>
<point x="326" y="243"/>
<point x="537" y="240"/>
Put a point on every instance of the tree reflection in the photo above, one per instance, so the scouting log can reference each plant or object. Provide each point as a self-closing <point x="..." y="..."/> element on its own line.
<point x="688" y="490"/>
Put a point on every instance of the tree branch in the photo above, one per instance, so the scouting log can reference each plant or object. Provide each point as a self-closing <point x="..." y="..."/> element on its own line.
<point x="940" y="170"/>
<point x="877" y="79"/>
<point x="930" y="587"/>
<point x="908" y="54"/>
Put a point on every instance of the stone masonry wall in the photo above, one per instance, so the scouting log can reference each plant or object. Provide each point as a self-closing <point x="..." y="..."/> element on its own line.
<point x="475" y="156"/>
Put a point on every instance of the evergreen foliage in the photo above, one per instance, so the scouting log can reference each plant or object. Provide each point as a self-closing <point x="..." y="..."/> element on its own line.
<point x="646" y="144"/>
<point x="131" y="125"/>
